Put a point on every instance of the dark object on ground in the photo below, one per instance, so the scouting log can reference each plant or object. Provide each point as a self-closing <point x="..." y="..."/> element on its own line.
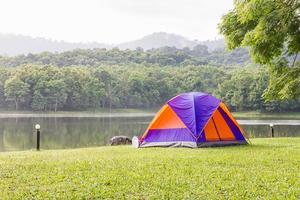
<point x="119" y="140"/>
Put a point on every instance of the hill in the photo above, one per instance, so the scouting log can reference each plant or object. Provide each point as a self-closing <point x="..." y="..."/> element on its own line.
<point x="163" y="56"/>
<point x="157" y="40"/>
<point x="12" y="45"/>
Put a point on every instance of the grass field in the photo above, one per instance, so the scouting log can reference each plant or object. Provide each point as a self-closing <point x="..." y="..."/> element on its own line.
<point x="267" y="169"/>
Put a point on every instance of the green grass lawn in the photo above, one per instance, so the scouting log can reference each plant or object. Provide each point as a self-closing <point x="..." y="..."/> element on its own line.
<point x="267" y="169"/>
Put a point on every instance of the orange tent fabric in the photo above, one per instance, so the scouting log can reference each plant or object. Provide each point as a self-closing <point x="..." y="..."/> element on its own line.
<point x="193" y="120"/>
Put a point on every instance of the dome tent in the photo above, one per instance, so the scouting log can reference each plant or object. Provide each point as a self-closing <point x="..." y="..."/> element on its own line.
<point x="193" y="120"/>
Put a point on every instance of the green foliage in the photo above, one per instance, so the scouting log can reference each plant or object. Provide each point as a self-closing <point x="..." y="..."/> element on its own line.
<point x="49" y="88"/>
<point x="164" y="56"/>
<point x="271" y="29"/>
<point x="271" y="171"/>
<point x="94" y="90"/>
<point x="4" y="74"/>
<point x="285" y="80"/>
<point x="16" y="89"/>
<point x="245" y="88"/>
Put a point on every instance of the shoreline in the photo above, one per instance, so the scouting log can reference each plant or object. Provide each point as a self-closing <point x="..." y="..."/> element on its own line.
<point x="73" y="115"/>
<point x="123" y="113"/>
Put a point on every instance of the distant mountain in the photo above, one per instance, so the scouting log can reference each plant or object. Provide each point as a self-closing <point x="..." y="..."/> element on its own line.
<point x="157" y="40"/>
<point x="214" y="44"/>
<point x="161" y="39"/>
<point x="12" y="45"/>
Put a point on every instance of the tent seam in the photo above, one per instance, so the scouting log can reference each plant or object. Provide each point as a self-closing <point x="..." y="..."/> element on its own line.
<point x="208" y="120"/>
<point x="195" y="114"/>
<point x="184" y="124"/>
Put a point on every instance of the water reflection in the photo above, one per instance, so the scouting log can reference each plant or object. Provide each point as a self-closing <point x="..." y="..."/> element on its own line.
<point x="279" y="130"/>
<point x="74" y="132"/>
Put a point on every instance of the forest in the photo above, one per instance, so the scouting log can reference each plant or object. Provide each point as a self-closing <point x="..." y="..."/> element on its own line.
<point x="164" y="56"/>
<point x="53" y="88"/>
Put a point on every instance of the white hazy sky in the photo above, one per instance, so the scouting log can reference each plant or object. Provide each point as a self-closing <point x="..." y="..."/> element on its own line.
<point x="111" y="21"/>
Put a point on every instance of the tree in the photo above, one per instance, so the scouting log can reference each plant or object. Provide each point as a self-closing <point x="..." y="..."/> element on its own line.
<point x="75" y="88"/>
<point x="95" y="90"/>
<point x="4" y="75"/>
<point x="75" y="79"/>
<point x="56" y="92"/>
<point x="16" y="89"/>
<point x="109" y="85"/>
<point x="49" y="89"/>
<point x="30" y="75"/>
<point x="200" y="50"/>
<point x="271" y="28"/>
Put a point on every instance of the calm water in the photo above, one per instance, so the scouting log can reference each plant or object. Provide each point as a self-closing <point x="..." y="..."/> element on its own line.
<point x="18" y="133"/>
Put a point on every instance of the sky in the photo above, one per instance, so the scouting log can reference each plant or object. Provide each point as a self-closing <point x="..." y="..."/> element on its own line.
<point x="112" y="21"/>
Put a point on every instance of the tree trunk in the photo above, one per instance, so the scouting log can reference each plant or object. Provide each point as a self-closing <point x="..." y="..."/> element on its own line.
<point x="109" y="105"/>
<point x="56" y="104"/>
<point x="109" y="95"/>
<point x="17" y="103"/>
<point x="103" y="103"/>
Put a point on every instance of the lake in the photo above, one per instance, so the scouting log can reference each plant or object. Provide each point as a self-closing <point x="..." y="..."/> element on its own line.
<point x="60" y="131"/>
